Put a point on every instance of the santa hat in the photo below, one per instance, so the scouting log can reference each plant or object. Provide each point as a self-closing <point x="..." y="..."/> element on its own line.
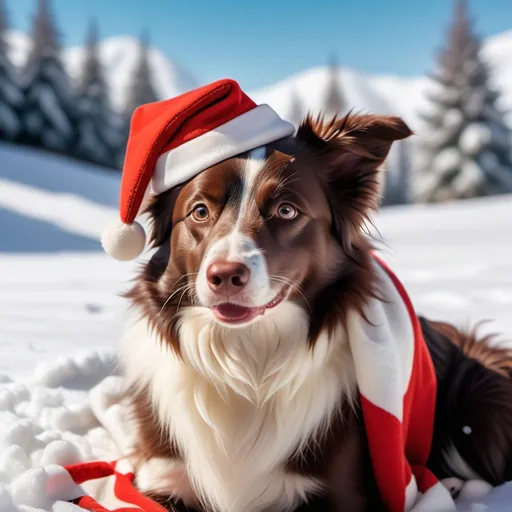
<point x="172" y="141"/>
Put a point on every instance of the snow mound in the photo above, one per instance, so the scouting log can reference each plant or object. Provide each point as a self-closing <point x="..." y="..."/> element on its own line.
<point x="46" y="422"/>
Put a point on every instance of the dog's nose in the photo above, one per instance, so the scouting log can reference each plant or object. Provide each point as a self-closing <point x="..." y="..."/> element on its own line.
<point x="227" y="276"/>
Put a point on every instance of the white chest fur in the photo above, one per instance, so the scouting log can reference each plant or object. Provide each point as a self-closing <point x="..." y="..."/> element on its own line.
<point x="242" y="400"/>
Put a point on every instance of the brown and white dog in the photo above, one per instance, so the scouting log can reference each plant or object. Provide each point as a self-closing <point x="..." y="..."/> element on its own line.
<point x="273" y="363"/>
<point x="260" y="260"/>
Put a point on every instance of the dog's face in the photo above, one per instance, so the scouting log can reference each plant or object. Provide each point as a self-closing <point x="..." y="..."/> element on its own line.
<point x="279" y="223"/>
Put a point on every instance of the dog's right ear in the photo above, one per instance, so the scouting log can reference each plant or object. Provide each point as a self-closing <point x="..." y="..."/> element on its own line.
<point x="160" y="210"/>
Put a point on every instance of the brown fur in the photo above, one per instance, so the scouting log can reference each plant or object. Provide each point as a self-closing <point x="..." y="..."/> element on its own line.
<point x="481" y="348"/>
<point x="475" y="390"/>
<point x="330" y="171"/>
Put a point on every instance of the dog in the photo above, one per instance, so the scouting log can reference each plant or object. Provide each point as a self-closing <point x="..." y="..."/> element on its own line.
<point x="274" y="363"/>
<point x="473" y="429"/>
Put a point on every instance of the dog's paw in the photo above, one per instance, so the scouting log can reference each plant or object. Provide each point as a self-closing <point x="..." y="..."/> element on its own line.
<point x="166" y="477"/>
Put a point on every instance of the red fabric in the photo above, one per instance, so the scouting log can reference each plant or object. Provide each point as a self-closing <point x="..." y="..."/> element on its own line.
<point x="124" y="490"/>
<point x="90" y="470"/>
<point x="401" y="449"/>
<point x="384" y="433"/>
<point x="160" y="126"/>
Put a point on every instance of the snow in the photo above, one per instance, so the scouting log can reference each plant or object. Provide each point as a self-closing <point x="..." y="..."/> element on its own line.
<point x="61" y="314"/>
<point x="474" y="138"/>
<point x="447" y="160"/>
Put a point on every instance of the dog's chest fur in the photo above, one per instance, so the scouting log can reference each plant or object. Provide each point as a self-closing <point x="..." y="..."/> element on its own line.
<point x="242" y="402"/>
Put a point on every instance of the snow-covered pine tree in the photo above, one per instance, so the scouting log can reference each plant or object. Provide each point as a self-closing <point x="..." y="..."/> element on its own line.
<point x="11" y="98"/>
<point x="48" y="112"/>
<point x="334" y="102"/>
<point x="98" y="138"/>
<point x="396" y="177"/>
<point x="467" y="153"/>
<point x="142" y="89"/>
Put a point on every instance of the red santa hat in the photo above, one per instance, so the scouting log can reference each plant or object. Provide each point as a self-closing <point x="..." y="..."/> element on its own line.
<point x="172" y="141"/>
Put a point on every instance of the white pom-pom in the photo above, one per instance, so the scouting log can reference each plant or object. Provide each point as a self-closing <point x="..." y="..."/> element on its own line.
<point x="123" y="242"/>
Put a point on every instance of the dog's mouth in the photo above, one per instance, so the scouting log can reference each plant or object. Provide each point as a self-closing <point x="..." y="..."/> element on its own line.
<point x="231" y="313"/>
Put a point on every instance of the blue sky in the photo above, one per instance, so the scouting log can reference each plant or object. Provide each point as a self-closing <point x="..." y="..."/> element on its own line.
<point x="260" y="42"/>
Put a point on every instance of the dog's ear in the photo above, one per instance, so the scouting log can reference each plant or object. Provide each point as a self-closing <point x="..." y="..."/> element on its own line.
<point x="349" y="152"/>
<point x="160" y="210"/>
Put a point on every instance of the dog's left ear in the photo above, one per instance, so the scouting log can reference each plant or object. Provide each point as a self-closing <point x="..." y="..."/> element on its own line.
<point x="349" y="152"/>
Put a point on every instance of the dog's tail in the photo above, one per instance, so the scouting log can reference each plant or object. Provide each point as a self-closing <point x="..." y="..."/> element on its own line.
<point x="445" y="341"/>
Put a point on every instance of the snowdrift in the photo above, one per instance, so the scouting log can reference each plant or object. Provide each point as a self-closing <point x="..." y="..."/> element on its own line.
<point x="50" y="203"/>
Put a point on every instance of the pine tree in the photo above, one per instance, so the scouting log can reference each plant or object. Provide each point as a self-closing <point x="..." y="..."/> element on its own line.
<point x="334" y="103"/>
<point x="48" y="114"/>
<point x="11" y="97"/>
<point x="142" y="90"/>
<point x="468" y="153"/>
<point x="396" y="189"/>
<point x="98" y="137"/>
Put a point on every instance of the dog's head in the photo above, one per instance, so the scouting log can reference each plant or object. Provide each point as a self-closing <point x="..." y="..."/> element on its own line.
<point x="277" y="224"/>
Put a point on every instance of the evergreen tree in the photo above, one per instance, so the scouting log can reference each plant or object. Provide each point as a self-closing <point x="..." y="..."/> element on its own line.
<point x="468" y="153"/>
<point x="142" y="90"/>
<point x="48" y="115"/>
<point x="334" y="103"/>
<point x="396" y="189"/>
<point x="11" y="97"/>
<point x="98" y="137"/>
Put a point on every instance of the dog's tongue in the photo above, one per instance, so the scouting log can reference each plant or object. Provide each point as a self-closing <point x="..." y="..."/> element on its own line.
<point x="234" y="313"/>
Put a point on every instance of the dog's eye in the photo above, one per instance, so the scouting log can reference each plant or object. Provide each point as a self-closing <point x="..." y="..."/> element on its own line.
<point x="466" y="429"/>
<point x="200" y="213"/>
<point x="287" y="211"/>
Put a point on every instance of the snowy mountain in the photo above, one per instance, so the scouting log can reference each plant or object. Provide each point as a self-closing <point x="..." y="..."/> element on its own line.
<point x="377" y="93"/>
<point x="386" y="94"/>
<point x="118" y="56"/>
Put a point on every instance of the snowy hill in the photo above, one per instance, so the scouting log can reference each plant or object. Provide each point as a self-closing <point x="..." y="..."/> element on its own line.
<point x="118" y="56"/>
<point x="52" y="204"/>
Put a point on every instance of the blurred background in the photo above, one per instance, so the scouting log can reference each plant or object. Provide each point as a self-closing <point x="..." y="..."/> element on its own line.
<point x="72" y="72"/>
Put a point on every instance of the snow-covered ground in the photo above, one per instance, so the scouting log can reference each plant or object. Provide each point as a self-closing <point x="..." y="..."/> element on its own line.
<point x="60" y="313"/>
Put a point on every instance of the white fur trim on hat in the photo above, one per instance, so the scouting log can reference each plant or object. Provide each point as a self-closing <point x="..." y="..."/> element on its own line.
<point x="256" y="127"/>
<point x="123" y="242"/>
